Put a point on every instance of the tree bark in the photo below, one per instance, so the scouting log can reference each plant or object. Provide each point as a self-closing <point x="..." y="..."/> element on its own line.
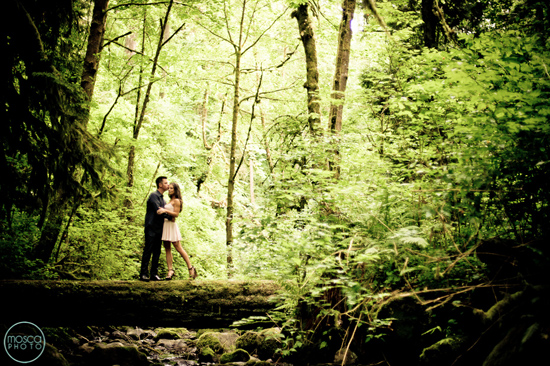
<point x="52" y="227"/>
<point x="342" y="66"/>
<point x="198" y="304"/>
<point x="232" y="158"/>
<point x="266" y="143"/>
<point x="340" y="78"/>
<point x="307" y="36"/>
<point x="430" y="24"/>
<point x="135" y="130"/>
<point x="204" y="117"/>
<point x="251" y="166"/>
<point x="95" y="42"/>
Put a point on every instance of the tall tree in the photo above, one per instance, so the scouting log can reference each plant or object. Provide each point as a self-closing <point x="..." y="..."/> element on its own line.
<point x="341" y="76"/>
<point x="307" y="35"/>
<point x="430" y="24"/>
<point x="140" y="110"/>
<point x="46" y="148"/>
<point x="95" y="43"/>
<point x="240" y="45"/>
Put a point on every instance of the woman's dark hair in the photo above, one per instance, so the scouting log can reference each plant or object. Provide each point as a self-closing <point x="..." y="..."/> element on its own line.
<point x="177" y="194"/>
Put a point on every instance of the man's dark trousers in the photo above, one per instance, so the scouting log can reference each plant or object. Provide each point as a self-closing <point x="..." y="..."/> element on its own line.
<point x="153" y="245"/>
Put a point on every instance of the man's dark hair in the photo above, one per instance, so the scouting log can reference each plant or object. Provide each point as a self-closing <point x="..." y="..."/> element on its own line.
<point x="159" y="180"/>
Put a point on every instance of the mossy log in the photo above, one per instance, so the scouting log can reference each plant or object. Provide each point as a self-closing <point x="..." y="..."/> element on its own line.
<point x="192" y="304"/>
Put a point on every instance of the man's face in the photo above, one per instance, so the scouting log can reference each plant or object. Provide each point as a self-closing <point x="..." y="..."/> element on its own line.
<point x="163" y="186"/>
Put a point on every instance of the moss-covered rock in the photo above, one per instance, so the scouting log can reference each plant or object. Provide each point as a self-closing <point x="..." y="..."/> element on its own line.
<point x="202" y="331"/>
<point x="263" y="343"/>
<point x="209" y="340"/>
<point x="207" y="355"/>
<point x="219" y="342"/>
<point x="239" y="355"/>
<point x="171" y="333"/>
<point x="249" y="341"/>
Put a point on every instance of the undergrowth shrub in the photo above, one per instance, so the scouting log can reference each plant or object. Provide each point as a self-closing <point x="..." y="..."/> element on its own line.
<point x="17" y="241"/>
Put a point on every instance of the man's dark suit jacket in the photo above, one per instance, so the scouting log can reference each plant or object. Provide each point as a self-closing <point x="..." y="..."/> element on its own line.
<point x="153" y="221"/>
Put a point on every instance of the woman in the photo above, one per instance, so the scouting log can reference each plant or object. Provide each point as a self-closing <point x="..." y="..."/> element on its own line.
<point x="171" y="232"/>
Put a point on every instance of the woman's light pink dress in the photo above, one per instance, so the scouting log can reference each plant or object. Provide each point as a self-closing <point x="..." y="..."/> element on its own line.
<point x="170" y="230"/>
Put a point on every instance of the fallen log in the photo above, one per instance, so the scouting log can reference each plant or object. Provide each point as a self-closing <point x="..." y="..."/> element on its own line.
<point x="192" y="304"/>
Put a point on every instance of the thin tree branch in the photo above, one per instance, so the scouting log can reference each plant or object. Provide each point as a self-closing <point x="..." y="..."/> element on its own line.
<point x="264" y="32"/>
<point x="115" y="39"/>
<point x="226" y="17"/>
<point x="252" y="116"/>
<point x="145" y="4"/>
<point x="173" y="34"/>
<point x="215" y="34"/>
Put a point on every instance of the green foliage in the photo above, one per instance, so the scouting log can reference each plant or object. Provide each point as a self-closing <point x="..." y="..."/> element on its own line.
<point x="18" y="237"/>
<point x="102" y="245"/>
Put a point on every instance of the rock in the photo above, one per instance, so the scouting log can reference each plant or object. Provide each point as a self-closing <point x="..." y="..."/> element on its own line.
<point x="263" y="343"/>
<point x="207" y="355"/>
<point x="239" y="355"/>
<point x="202" y="331"/>
<point x="171" y="333"/>
<point x="208" y="340"/>
<point x="176" y="346"/>
<point x="219" y="342"/>
<point x="117" y="354"/>
<point x="119" y="334"/>
<point x="256" y="362"/>
<point x="135" y="333"/>
<point x="86" y="348"/>
<point x="350" y="357"/>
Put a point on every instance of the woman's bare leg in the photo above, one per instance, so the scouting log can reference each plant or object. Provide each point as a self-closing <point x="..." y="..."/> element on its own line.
<point x="192" y="270"/>
<point x="183" y="253"/>
<point x="169" y="258"/>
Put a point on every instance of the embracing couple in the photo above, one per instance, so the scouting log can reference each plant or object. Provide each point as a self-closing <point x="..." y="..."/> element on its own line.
<point x="160" y="226"/>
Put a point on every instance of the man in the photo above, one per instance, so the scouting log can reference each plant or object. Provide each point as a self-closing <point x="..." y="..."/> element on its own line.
<point x="153" y="231"/>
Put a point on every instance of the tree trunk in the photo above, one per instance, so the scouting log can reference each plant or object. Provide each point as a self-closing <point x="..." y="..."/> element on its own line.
<point x="232" y="160"/>
<point x="342" y="66"/>
<point x="135" y="131"/>
<point x="430" y="24"/>
<point x="204" y="117"/>
<point x="52" y="227"/>
<point x="197" y="304"/>
<point x="266" y="143"/>
<point x="340" y="78"/>
<point x="312" y="74"/>
<point x="251" y="165"/>
<point x="95" y="42"/>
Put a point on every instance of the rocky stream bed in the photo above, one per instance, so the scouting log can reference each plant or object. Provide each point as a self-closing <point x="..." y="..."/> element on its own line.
<point x="133" y="346"/>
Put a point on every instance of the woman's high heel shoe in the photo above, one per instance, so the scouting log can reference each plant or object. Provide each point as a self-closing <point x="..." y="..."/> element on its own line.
<point x="192" y="272"/>
<point x="171" y="273"/>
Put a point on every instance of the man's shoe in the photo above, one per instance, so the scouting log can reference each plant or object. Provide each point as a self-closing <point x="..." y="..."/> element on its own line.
<point x="144" y="278"/>
<point x="156" y="278"/>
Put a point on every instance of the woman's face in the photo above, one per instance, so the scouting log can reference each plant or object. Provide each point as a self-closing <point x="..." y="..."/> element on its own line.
<point x="171" y="189"/>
